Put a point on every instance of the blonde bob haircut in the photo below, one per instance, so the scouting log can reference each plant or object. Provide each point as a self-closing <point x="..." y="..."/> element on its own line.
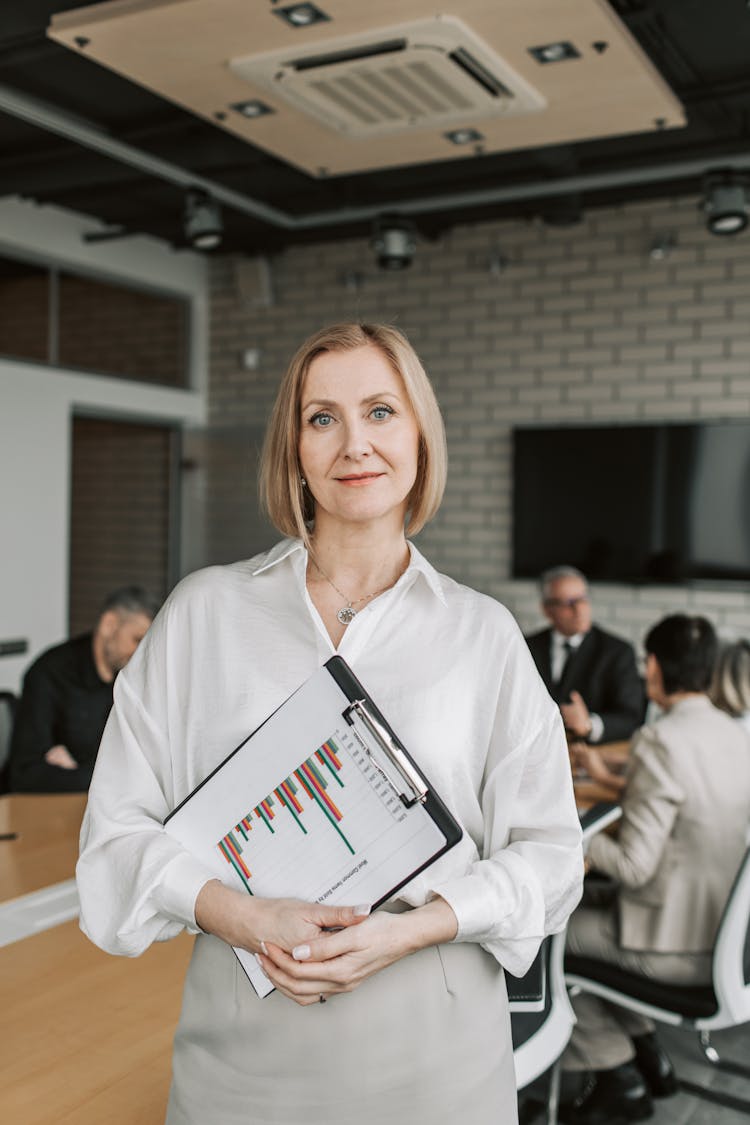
<point x="283" y="496"/>
<point x="731" y="686"/>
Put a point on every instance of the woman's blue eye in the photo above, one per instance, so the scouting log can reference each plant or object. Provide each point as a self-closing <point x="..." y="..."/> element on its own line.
<point x="321" y="419"/>
<point x="380" y="413"/>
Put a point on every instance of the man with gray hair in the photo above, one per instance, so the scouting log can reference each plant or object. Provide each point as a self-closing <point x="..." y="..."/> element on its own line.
<point x="67" y="697"/>
<point x="591" y="674"/>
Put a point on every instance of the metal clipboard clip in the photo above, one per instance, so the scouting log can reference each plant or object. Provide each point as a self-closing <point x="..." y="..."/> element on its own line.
<point x="415" y="789"/>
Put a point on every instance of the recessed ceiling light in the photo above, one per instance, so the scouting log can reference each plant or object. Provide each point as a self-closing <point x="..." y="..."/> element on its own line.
<point x="464" y="136"/>
<point x="554" y="52"/>
<point x="301" y="15"/>
<point x="253" y="108"/>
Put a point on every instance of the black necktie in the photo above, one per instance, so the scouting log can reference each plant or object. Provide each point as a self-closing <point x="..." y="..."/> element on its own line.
<point x="569" y="650"/>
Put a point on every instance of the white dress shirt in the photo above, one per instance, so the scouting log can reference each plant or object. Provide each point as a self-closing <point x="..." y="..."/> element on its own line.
<point x="450" y="670"/>
<point x="563" y="648"/>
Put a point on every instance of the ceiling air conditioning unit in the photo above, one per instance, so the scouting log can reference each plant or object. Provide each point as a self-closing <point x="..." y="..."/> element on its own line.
<point x="426" y="74"/>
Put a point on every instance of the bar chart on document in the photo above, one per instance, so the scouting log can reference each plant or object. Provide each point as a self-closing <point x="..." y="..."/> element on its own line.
<point x="320" y="826"/>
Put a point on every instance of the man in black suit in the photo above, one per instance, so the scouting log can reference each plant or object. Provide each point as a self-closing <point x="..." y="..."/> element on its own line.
<point x="591" y="674"/>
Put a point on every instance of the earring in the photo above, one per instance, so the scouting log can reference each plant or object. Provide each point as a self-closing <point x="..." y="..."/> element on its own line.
<point x="303" y="482"/>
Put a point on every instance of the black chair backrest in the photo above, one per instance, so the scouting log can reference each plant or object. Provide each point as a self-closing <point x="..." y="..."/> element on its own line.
<point x="8" y="703"/>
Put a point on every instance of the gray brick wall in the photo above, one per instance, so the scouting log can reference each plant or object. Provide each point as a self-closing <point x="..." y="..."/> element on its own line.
<point x="581" y="326"/>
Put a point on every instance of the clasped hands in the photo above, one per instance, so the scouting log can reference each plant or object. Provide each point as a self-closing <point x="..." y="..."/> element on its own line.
<point x="308" y="950"/>
<point x="335" y="961"/>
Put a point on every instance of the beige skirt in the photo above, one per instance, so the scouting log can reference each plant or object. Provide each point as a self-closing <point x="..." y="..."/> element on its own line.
<point x="425" y="1042"/>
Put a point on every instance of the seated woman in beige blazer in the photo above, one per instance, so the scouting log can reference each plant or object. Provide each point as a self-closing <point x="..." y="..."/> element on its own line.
<point x="680" y="841"/>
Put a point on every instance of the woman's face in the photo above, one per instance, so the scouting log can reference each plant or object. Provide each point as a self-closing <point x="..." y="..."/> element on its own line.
<point x="358" y="438"/>
<point x="654" y="680"/>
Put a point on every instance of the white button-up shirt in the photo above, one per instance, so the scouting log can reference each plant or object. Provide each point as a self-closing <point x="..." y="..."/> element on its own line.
<point x="448" y="668"/>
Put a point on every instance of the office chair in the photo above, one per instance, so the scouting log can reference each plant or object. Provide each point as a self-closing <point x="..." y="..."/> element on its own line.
<point x="701" y="1008"/>
<point x="539" y="1038"/>
<point x="7" y="713"/>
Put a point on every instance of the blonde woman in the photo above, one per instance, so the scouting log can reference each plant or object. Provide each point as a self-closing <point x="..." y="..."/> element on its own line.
<point x="400" y="1015"/>
<point x="731" y="685"/>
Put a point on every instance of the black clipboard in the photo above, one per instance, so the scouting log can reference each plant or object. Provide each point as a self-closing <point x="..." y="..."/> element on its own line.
<point x="395" y="802"/>
<point x="414" y="785"/>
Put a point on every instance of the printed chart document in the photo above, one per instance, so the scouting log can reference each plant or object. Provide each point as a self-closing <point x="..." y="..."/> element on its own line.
<point x="322" y="803"/>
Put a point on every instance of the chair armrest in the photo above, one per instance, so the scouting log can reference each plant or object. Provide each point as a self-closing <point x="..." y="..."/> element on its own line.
<point x="527" y="993"/>
<point x="597" y="818"/>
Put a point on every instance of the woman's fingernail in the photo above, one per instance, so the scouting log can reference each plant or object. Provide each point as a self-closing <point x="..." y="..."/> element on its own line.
<point x="362" y="911"/>
<point x="301" y="952"/>
<point x="263" y="948"/>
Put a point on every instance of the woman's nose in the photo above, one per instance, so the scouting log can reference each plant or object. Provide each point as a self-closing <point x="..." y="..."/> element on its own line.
<point x="356" y="441"/>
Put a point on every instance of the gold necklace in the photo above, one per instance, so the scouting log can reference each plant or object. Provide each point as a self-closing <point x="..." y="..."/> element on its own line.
<point x="347" y="613"/>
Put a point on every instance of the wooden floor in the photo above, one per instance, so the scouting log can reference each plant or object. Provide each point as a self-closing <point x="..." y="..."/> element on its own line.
<point x="87" y="1037"/>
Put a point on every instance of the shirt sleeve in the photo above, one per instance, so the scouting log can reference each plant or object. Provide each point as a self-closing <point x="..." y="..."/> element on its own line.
<point x="136" y="884"/>
<point x="651" y="803"/>
<point x="530" y="875"/>
<point x="597" y="727"/>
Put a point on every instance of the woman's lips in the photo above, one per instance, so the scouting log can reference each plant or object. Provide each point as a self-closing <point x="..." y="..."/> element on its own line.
<point x="359" y="479"/>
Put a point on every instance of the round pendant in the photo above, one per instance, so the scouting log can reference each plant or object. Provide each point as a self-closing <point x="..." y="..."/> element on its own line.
<point x="346" y="615"/>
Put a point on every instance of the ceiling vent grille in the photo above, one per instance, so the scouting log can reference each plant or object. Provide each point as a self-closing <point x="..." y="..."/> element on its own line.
<point x="430" y="73"/>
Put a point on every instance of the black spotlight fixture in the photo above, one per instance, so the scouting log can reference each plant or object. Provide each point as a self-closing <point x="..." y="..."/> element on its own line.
<point x="726" y="201"/>
<point x="394" y="241"/>
<point x="202" y="221"/>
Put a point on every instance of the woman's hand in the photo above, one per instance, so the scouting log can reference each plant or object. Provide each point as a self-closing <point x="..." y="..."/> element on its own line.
<point x="587" y="758"/>
<point x="339" y="962"/>
<point x="251" y="923"/>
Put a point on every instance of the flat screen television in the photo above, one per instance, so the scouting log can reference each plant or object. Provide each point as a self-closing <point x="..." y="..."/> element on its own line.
<point x="647" y="503"/>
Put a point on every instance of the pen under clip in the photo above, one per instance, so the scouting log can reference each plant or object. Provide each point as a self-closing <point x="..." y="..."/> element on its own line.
<point x="393" y="752"/>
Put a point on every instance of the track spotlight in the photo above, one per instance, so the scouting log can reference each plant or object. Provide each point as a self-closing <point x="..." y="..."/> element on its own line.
<point x="726" y="201"/>
<point x="394" y="242"/>
<point x="203" y="223"/>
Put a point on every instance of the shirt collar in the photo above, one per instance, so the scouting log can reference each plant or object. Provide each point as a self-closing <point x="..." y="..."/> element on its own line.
<point x="418" y="564"/>
<point x="277" y="554"/>
<point x="697" y="702"/>
<point x="559" y="640"/>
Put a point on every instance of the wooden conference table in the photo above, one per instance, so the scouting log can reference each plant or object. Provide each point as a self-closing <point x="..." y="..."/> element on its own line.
<point x="87" y="1037"/>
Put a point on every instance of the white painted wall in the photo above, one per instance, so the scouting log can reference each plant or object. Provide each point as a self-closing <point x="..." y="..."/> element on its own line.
<point x="36" y="406"/>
